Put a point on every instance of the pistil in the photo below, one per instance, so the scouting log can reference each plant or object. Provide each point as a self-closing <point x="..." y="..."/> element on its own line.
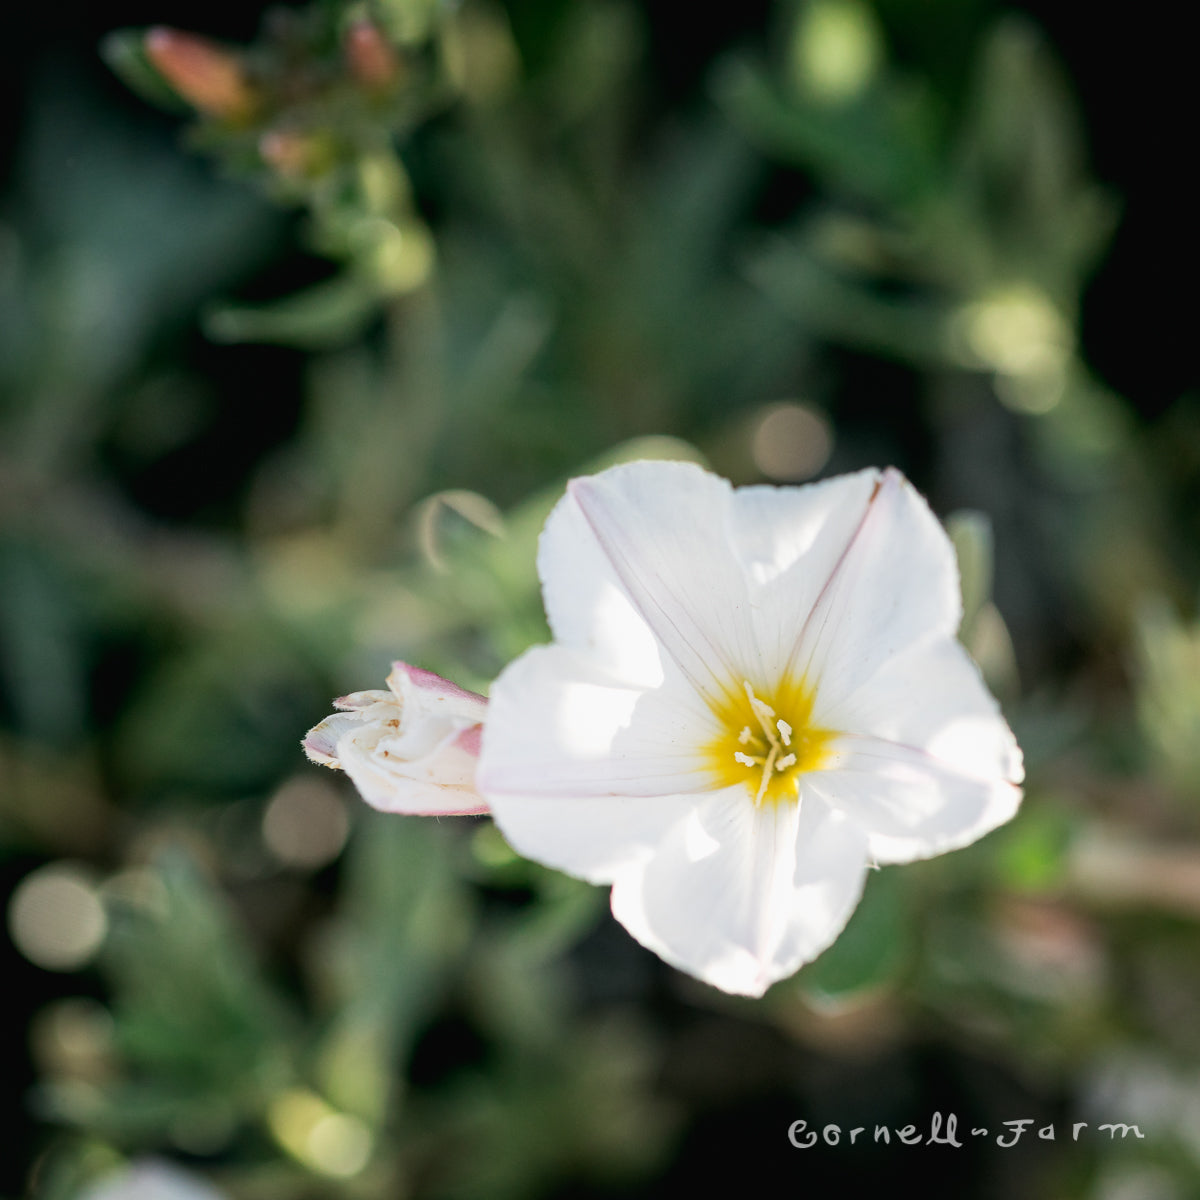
<point x="775" y="750"/>
<point x="778" y="735"/>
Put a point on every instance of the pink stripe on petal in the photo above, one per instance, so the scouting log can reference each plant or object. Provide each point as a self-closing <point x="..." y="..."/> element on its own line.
<point x="471" y="740"/>
<point x="428" y="681"/>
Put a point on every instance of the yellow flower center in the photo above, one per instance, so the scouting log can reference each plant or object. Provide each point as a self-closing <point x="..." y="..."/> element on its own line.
<point x="767" y="742"/>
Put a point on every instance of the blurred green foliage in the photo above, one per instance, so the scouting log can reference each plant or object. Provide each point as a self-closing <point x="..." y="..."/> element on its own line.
<point x="538" y="266"/>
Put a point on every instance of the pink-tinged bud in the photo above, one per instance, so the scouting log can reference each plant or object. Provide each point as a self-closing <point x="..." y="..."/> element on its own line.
<point x="292" y="154"/>
<point x="371" y="57"/>
<point x="410" y="749"/>
<point x="209" y="77"/>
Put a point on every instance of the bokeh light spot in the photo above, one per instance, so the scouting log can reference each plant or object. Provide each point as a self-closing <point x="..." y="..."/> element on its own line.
<point x="72" y="1038"/>
<point x="55" y="918"/>
<point x="1019" y="333"/>
<point x="791" y="441"/>
<point x="836" y="49"/>
<point x="317" y="1135"/>
<point x="306" y="824"/>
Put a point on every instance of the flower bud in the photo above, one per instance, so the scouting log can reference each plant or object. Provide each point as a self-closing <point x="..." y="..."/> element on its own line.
<point x="296" y="155"/>
<point x="371" y="58"/>
<point x="410" y="749"/>
<point x="210" y="78"/>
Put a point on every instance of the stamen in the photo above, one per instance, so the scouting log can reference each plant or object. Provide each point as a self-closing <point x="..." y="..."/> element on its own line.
<point x="763" y="752"/>
<point x="766" y="775"/>
<point x="764" y="713"/>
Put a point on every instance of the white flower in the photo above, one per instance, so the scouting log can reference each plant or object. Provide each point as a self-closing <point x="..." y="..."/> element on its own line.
<point x="411" y="749"/>
<point x="753" y="695"/>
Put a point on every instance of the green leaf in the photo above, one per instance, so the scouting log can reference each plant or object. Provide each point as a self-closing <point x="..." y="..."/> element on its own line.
<point x="324" y="316"/>
<point x="870" y="951"/>
<point x="971" y="533"/>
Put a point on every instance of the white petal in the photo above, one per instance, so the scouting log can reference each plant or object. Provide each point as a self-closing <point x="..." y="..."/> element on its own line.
<point x="790" y="541"/>
<point x="439" y="782"/>
<point x="363" y="702"/>
<point x="640" y="547"/>
<point x="422" y="693"/>
<point x="929" y="764"/>
<point x="910" y="806"/>
<point x="895" y="587"/>
<point x="586" y="603"/>
<point x="741" y="896"/>
<point x="592" y="837"/>
<point x="558" y="725"/>
<point x="320" y="743"/>
<point x="934" y="699"/>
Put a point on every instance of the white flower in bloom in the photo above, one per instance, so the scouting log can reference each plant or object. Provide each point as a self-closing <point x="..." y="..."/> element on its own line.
<point x="753" y="695"/>
<point x="411" y="749"/>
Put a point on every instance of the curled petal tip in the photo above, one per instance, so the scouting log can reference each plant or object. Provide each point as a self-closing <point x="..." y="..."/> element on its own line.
<point x="320" y="747"/>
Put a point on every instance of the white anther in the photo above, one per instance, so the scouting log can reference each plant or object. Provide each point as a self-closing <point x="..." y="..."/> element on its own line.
<point x="745" y="736"/>
<point x="788" y="760"/>
<point x="785" y="731"/>
<point x="745" y="759"/>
